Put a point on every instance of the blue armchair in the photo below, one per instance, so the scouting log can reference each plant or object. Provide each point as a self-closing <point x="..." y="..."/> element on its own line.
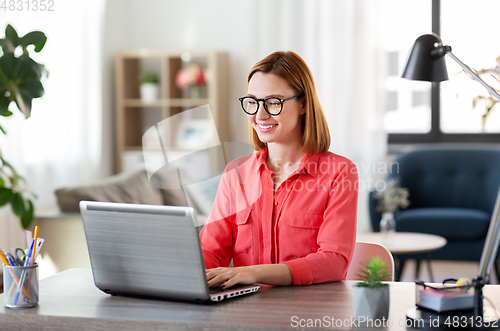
<point x="452" y="193"/>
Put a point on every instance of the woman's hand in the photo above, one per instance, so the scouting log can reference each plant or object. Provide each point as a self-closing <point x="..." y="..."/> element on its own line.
<point x="231" y="276"/>
<point x="271" y="274"/>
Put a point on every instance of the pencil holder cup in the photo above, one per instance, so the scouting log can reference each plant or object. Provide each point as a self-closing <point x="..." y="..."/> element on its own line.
<point x="20" y="286"/>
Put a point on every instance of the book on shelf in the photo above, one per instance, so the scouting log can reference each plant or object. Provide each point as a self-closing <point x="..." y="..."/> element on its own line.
<point x="439" y="301"/>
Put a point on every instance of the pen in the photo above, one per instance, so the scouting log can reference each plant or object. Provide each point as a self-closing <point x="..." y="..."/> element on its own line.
<point x="24" y="273"/>
<point x="35" y="237"/>
<point x="9" y="258"/>
<point x="4" y="260"/>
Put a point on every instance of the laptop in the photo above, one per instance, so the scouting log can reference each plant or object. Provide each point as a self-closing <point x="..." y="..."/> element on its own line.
<point x="149" y="252"/>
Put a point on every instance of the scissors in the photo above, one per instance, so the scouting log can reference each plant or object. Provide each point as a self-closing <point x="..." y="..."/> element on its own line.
<point x="19" y="256"/>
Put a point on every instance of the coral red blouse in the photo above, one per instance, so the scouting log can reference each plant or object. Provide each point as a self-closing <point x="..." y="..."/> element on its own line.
<point x="309" y="223"/>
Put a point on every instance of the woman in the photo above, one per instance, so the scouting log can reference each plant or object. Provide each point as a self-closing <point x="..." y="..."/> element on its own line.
<point x="287" y="213"/>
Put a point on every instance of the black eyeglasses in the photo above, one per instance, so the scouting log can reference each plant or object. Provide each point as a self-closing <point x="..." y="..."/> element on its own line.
<point x="272" y="105"/>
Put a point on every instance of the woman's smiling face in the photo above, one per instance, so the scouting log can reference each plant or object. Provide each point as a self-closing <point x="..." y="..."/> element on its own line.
<point x="285" y="127"/>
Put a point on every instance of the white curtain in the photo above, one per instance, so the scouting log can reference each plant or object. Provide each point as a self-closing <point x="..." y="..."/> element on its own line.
<point x="61" y="143"/>
<point x="339" y="41"/>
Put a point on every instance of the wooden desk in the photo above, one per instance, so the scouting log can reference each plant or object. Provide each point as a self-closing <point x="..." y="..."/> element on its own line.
<point x="70" y="301"/>
<point x="407" y="243"/>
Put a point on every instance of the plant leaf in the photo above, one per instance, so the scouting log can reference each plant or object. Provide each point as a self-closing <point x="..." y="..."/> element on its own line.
<point x="25" y="93"/>
<point x="6" y="45"/>
<point x="11" y="34"/>
<point x="33" y="38"/>
<point x="32" y="87"/>
<point x="26" y="68"/>
<point x="3" y="79"/>
<point x="4" y="104"/>
<point x="18" y="206"/>
<point x="6" y="112"/>
<point x="27" y="218"/>
<point x="373" y="273"/>
<point x="6" y="195"/>
<point x="7" y="63"/>
<point x="40" y="44"/>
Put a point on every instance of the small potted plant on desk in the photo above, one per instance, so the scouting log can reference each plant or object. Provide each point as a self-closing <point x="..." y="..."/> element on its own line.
<point x="371" y="297"/>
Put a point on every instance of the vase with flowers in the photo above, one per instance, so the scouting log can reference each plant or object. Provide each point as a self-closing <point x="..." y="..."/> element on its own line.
<point x="192" y="78"/>
<point x="389" y="199"/>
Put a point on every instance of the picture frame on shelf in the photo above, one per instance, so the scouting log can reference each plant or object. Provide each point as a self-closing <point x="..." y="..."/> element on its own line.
<point x="194" y="134"/>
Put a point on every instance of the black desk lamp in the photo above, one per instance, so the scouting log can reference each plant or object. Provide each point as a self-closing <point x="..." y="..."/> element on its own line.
<point x="426" y="62"/>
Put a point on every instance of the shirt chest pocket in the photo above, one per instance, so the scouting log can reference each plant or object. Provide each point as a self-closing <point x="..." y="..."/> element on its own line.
<point x="303" y="220"/>
<point x="302" y="229"/>
<point x="242" y="232"/>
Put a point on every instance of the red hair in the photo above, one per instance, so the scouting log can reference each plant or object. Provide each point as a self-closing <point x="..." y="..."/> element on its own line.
<point x="292" y="68"/>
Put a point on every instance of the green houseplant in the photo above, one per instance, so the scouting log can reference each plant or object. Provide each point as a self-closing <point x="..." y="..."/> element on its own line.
<point x="20" y="83"/>
<point x="371" y="297"/>
<point x="149" y="77"/>
<point x="149" y="86"/>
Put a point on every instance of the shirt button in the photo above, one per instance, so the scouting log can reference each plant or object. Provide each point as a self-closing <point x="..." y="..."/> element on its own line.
<point x="275" y="202"/>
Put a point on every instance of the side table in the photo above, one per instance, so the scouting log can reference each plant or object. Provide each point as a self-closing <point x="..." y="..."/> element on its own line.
<point x="407" y="243"/>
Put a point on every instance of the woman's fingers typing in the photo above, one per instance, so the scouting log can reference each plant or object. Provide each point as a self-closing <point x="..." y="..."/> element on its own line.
<point x="230" y="276"/>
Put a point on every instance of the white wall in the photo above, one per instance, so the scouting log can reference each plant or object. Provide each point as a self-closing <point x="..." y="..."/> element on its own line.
<point x="220" y="25"/>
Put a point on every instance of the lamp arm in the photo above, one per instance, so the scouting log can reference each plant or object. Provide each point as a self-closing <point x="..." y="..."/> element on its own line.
<point x="474" y="75"/>
<point x="491" y="243"/>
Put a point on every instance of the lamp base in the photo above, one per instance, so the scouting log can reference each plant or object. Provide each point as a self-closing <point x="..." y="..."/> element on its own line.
<point x="429" y="320"/>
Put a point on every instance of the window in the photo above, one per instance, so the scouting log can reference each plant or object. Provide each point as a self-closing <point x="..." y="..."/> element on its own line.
<point x="423" y="112"/>
<point x="407" y="102"/>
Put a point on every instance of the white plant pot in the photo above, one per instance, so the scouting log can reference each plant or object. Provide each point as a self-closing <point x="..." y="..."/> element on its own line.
<point x="370" y="304"/>
<point x="149" y="92"/>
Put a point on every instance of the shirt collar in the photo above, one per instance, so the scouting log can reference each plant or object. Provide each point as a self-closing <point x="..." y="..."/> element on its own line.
<point x="308" y="164"/>
<point x="260" y="159"/>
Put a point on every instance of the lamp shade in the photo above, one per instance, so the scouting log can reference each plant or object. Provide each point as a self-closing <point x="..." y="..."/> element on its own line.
<point x="426" y="62"/>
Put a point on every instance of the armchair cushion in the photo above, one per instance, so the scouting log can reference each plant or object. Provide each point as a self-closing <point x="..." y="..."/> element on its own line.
<point x="451" y="223"/>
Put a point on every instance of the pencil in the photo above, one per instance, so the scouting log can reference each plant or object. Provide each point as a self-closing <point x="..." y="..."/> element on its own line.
<point x="35" y="237"/>
<point x="4" y="259"/>
<point x="12" y="273"/>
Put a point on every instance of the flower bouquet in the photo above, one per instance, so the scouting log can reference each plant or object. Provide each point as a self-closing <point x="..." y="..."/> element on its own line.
<point x="392" y="197"/>
<point x="193" y="77"/>
<point x="389" y="200"/>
